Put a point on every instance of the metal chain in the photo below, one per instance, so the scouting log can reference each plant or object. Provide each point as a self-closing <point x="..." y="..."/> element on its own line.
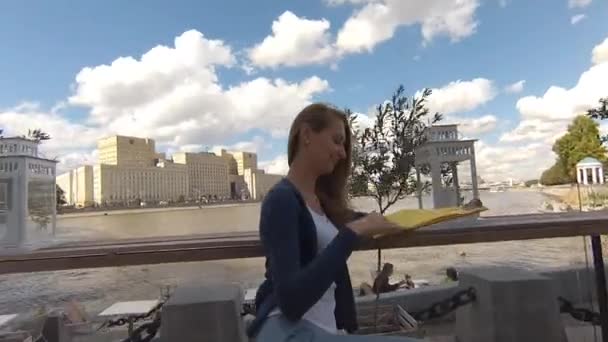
<point x="580" y="314"/>
<point x="444" y="307"/>
<point x="150" y="329"/>
<point x="125" y="320"/>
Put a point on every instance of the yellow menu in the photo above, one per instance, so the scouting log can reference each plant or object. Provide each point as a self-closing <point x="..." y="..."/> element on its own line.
<point x="411" y="219"/>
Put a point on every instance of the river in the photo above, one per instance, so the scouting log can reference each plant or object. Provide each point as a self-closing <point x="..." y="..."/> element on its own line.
<point x="98" y="288"/>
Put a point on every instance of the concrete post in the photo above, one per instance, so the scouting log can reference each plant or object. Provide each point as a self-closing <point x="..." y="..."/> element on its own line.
<point x="474" y="175"/>
<point x="54" y="330"/>
<point x="436" y="183"/>
<point x="209" y="313"/>
<point x="456" y="182"/>
<point x="418" y="187"/>
<point x="511" y="305"/>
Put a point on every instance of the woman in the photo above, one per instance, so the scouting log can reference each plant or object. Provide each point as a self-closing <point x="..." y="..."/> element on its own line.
<point x="308" y="233"/>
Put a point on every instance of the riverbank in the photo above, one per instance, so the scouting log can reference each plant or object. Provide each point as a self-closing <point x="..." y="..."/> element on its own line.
<point x="571" y="197"/>
<point x="144" y="210"/>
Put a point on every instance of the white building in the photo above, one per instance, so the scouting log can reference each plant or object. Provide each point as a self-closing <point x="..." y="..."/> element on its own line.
<point x="207" y="174"/>
<point x="590" y="171"/>
<point x="120" y="185"/>
<point x="77" y="186"/>
<point x="259" y="183"/>
<point x="27" y="194"/>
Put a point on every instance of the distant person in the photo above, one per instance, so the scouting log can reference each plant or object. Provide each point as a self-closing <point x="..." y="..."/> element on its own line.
<point x="451" y="275"/>
<point x="308" y="233"/>
<point x="382" y="284"/>
<point x="409" y="283"/>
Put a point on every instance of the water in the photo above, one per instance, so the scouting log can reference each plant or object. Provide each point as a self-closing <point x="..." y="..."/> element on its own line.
<point x="98" y="288"/>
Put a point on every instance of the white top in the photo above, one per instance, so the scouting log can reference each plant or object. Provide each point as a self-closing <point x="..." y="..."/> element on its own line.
<point x="321" y="313"/>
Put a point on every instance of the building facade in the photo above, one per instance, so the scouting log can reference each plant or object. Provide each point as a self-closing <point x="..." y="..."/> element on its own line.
<point x="131" y="170"/>
<point x="207" y="174"/>
<point x="77" y="186"/>
<point x="27" y="194"/>
<point x="114" y="184"/>
<point x="245" y="160"/>
<point x="259" y="183"/>
<point x="127" y="151"/>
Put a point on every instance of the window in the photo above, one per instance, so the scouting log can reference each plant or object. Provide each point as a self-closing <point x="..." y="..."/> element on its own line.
<point x="4" y="196"/>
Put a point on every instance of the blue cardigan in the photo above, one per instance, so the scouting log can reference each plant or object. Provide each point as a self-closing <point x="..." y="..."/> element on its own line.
<point x="296" y="277"/>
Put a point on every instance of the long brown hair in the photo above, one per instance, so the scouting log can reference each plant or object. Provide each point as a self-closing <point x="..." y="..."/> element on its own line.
<point x="330" y="188"/>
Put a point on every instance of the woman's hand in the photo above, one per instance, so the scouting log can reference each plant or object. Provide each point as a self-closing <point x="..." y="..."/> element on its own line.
<point x="373" y="224"/>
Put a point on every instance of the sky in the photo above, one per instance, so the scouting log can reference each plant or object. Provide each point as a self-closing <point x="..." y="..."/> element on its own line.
<point x="197" y="75"/>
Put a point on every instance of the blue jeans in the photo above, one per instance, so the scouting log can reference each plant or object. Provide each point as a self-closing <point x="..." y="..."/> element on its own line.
<point x="279" y="329"/>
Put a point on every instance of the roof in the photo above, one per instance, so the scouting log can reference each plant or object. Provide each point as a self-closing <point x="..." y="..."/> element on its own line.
<point x="589" y="161"/>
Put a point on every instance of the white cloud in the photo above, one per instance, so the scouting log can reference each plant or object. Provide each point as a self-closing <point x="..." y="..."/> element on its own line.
<point x="577" y="18"/>
<point x="66" y="135"/>
<point x="377" y="21"/>
<point x="563" y="104"/>
<point x="170" y="94"/>
<point x="173" y="94"/>
<point x="72" y="144"/>
<point x="516" y="87"/>
<point x="600" y="52"/>
<point x="473" y="126"/>
<point x="579" y="3"/>
<point x="526" y="150"/>
<point x="499" y="162"/>
<point x="256" y="145"/>
<point x="546" y="117"/>
<point x="294" y="41"/>
<point x="276" y="166"/>
<point x="460" y="96"/>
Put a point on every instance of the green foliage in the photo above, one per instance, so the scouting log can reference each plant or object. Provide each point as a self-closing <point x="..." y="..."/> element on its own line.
<point x="531" y="182"/>
<point x="581" y="141"/>
<point x="601" y="113"/>
<point x="555" y="175"/>
<point x="383" y="155"/>
<point x="60" y="196"/>
<point x="38" y="135"/>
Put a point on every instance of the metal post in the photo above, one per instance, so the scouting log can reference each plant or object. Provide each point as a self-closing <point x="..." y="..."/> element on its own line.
<point x="600" y="282"/>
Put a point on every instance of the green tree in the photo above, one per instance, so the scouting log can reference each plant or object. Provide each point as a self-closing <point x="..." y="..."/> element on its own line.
<point x="600" y="112"/>
<point x="582" y="140"/>
<point x="60" y="196"/>
<point x="383" y="155"/>
<point x="554" y="175"/>
<point x="38" y="135"/>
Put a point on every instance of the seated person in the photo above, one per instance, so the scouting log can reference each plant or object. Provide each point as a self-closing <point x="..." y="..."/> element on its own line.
<point x="381" y="284"/>
<point x="409" y="283"/>
<point x="451" y="275"/>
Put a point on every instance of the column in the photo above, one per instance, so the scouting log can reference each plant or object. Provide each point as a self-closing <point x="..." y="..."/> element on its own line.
<point x="436" y="182"/>
<point x="594" y="175"/>
<point x="579" y="177"/>
<point x="585" y="176"/>
<point x="418" y="187"/>
<point x="474" y="176"/>
<point x="454" y="167"/>
<point x="601" y="174"/>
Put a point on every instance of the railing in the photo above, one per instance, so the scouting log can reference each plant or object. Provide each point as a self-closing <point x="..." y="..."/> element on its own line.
<point x="202" y="247"/>
<point x="244" y="245"/>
